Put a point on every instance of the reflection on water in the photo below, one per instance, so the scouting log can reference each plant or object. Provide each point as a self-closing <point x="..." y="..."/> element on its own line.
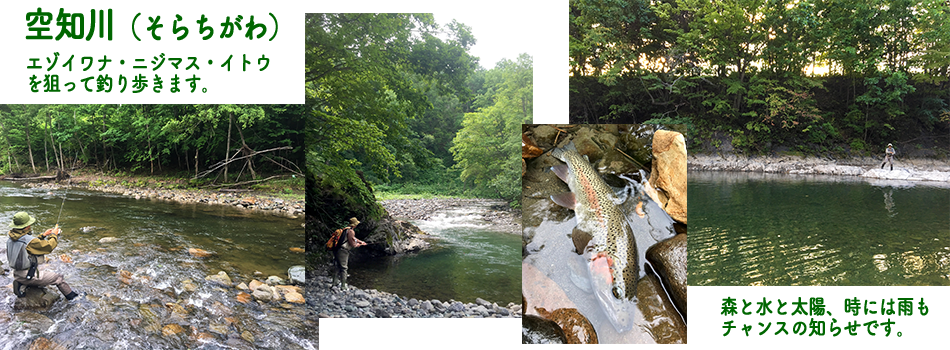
<point x="144" y="286"/>
<point x="774" y="229"/>
<point x="466" y="261"/>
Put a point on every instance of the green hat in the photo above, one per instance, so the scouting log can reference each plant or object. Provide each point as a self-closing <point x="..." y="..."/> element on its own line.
<point x="21" y="220"/>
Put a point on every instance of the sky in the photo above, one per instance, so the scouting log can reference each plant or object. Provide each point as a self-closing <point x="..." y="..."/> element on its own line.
<point x="497" y="37"/>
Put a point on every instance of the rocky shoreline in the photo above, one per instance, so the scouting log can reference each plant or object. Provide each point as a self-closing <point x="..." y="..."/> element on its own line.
<point x="328" y="301"/>
<point x="869" y="167"/>
<point x="500" y="215"/>
<point x="246" y="200"/>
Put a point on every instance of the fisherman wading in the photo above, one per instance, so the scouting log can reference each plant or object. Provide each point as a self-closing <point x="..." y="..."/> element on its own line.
<point x="27" y="254"/>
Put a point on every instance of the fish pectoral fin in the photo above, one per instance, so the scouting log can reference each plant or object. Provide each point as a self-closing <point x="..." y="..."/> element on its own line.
<point x="577" y="277"/>
<point x="565" y="199"/>
<point x="581" y="238"/>
<point x="560" y="171"/>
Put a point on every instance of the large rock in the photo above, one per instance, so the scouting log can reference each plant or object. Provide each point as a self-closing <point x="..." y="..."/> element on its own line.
<point x="665" y="324"/>
<point x="540" y="292"/>
<point x="669" y="172"/>
<point x="536" y="330"/>
<point x="577" y="329"/>
<point x="36" y="299"/>
<point x="298" y="274"/>
<point x="669" y="259"/>
<point x="221" y="277"/>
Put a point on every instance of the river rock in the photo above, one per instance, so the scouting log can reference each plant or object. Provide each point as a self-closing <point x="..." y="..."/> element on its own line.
<point x="242" y="286"/>
<point x="544" y="135"/>
<point x="669" y="259"/>
<point x="172" y="330"/>
<point x="254" y="284"/>
<point x="263" y="295"/>
<point x="456" y="307"/>
<point x="297" y="250"/>
<point x="247" y="336"/>
<point x="427" y="306"/>
<point x="45" y="344"/>
<point x="298" y="274"/>
<point x="665" y="324"/>
<point x="669" y="172"/>
<point x="36" y="299"/>
<point x="188" y="285"/>
<point x="125" y="277"/>
<point x="274" y="280"/>
<point x="536" y="330"/>
<point x="294" y="297"/>
<point x="482" y="302"/>
<point x="199" y="253"/>
<point x="362" y="303"/>
<point x="105" y="240"/>
<point x="221" y="277"/>
<point x="577" y="329"/>
<point x="243" y="298"/>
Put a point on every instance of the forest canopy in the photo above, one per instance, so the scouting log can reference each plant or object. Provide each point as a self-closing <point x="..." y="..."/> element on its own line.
<point x="148" y="138"/>
<point x="396" y="101"/>
<point x="803" y="75"/>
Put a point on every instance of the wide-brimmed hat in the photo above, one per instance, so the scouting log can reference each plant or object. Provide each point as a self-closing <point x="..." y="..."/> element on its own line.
<point x="21" y="220"/>
<point x="354" y="222"/>
<point x="890" y="145"/>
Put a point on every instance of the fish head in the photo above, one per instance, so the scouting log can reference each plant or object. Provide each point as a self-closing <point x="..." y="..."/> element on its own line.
<point x="609" y="290"/>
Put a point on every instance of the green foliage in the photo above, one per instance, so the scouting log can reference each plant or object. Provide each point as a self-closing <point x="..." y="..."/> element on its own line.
<point x="748" y="67"/>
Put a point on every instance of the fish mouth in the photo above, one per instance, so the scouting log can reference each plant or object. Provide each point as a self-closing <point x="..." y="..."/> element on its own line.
<point x="618" y="311"/>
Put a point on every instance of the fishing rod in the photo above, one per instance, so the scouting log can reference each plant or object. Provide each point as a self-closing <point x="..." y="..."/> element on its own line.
<point x="60" y="210"/>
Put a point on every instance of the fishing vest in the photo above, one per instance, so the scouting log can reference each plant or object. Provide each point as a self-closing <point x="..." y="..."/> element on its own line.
<point x="17" y="255"/>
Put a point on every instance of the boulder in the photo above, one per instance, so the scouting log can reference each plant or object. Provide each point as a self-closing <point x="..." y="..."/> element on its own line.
<point x="221" y="277"/>
<point x="669" y="259"/>
<point x="663" y="322"/>
<point x="263" y="295"/>
<point x="294" y="297"/>
<point x="274" y="280"/>
<point x="577" y="329"/>
<point x="36" y="299"/>
<point x="254" y="284"/>
<point x="536" y="330"/>
<point x="669" y="172"/>
<point x="298" y="274"/>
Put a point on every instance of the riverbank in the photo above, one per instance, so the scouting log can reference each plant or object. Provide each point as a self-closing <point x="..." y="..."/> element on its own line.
<point x="498" y="214"/>
<point x="328" y="301"/>
<point x="921" y="169"/>
<point x="144" y="188"/>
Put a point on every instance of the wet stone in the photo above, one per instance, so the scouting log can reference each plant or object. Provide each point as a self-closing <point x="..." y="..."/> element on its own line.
<point x="105" y="240"/>
<point x="45" y="344"/>
<point x="536" y="330"/>
<point x="666" y="325"/>
<point x="36" y="299"/>
<point x="222" y="278"/>
<point x="669" y="259"/>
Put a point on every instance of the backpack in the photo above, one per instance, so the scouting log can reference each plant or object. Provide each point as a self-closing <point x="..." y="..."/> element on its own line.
<point x="334" y="242"/>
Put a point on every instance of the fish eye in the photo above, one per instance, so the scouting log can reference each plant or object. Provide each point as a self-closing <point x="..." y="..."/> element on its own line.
<point x="617" y="293"/>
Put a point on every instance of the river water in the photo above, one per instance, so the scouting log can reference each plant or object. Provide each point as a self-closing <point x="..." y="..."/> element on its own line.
<point x="137" y="286"/>
<point x="777" y="229"/>
<point x="468" y="259"/>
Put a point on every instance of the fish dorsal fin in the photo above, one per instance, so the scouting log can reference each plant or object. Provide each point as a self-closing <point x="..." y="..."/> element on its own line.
<point x="581" y="238"/>
<point x="565" y="199"/>
<point x="560" y="171"/>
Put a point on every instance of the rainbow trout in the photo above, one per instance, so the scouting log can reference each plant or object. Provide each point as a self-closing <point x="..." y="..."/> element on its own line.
<point x="602" y="235"/>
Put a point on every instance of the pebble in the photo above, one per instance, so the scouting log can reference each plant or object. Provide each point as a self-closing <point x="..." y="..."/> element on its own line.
<point x="325" y="301"/>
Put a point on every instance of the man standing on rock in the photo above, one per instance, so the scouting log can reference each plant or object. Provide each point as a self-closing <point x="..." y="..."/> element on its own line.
<point x="888" y="155"/>
<point x="342" y="252"/>
<point x="27" y="254"/>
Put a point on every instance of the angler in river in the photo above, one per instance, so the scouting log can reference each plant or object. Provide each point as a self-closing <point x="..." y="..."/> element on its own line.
<point x="341" y="251"/>
<point x="602" y="236"/>
<point x="27" y="255"/>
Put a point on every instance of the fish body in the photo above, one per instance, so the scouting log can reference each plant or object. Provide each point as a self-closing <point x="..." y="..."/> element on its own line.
<point x="602" y="236"/>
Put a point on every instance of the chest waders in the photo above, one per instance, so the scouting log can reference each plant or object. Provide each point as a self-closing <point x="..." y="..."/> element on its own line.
<point x="21" y="260"/>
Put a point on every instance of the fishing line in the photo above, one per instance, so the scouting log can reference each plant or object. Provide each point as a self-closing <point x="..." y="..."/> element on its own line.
<point x="61" y="206"/>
